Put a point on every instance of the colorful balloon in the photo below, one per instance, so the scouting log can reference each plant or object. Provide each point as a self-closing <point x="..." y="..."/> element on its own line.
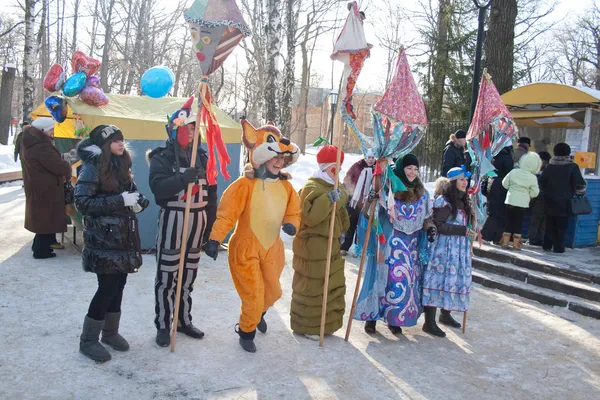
<point x="92" y="81"/>
<point x="74" y="84"/>
<point x="57" y="106"/>
<point x="157" y="81"/>
<point x="52" y="78"/>
<point x="93" y="96"/>
<point x="82" y="63"/>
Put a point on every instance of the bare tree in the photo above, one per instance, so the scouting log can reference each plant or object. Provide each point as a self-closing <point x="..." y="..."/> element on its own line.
<point x="28" y="58"/>
<point x="273" y="53"/>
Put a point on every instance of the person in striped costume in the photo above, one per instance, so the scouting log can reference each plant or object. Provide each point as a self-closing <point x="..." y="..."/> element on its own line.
<point x="170" y="174"/>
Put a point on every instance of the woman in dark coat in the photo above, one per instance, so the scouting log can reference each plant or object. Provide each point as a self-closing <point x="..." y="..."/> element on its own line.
<point x="44" y="173"/>
<point x="106" y="196"/>
<point x="560" y="181"/>
<point x="496" y="195"/>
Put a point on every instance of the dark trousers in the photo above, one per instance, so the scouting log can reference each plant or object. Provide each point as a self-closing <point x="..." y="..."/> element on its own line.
<point x="354" y="214"/>
<point x="554" y="233"/>
<point x="108" y="296"/>
<point x="42" y="242"/>
<point x="537" y="224"/>
<point x="514" y="219"/>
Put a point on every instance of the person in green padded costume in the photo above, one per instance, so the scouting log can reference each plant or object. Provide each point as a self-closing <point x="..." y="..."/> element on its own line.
<point x="317" y="199"/>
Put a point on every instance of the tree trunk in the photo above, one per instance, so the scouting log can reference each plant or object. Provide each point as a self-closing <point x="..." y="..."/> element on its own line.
<point x="137" y="46"/>
<point x="75" y="20"/>
<point x="108" y="33"/>
<point x="180" y="66"/>
<point x="28" y="59"/>
<point x="440" y="65"/>
<point x="94" y="28"/>
<point x="273" y="33"/>
<point x="500" y="44"/>
<point x="6" y="95"/>
<point x="289" y="78"/>
<point x="304" y="91"/>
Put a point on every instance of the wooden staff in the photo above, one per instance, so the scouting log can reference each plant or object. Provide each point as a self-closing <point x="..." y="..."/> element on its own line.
<point x="360" y="268"/>
<point x="186" y="216"/>
<point x="340" y="131"/>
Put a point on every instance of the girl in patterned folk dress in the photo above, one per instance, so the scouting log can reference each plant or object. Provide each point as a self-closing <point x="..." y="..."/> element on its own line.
<point x="447" y="277"/>
<point x="392" y="288"/>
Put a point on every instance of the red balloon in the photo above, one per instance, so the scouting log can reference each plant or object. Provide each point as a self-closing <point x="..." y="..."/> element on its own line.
<point x="53" y="77"/>
<point x="82" y="63"/>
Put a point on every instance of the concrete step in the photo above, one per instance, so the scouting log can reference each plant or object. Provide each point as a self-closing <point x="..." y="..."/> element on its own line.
<point x="544" y="296"/>
<point x="588" y="291"/>
<point x="523" y="260"/>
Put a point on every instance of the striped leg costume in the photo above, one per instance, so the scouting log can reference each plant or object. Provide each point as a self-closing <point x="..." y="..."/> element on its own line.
<point x="168" y="245"/>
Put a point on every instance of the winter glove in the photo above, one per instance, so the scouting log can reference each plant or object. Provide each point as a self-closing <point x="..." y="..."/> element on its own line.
<point x="211" y="249"/>
<point x="130" y="199"/>
<point x="335" y="195"/>
<point x="431" y="234"/>
<point x="289" y="229"/>
<point x="373" y="195"/>
<point x="137" y="208"/>
<point x="190" y="175"/>
<point x="471" y="234"/>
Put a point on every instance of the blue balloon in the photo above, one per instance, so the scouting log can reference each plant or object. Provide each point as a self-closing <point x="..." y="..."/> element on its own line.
<point x="57" y="106"/>
<point x="74" y="84"/>
<point x="157" y="82"/>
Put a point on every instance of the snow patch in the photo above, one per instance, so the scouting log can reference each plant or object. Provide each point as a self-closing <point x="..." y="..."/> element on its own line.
<point x="7" y="162"/>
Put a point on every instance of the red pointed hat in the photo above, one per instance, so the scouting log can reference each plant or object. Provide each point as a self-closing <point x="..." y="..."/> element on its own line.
<point x="328" y="154"/>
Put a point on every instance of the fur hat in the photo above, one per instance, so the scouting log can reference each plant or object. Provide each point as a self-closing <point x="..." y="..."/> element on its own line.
<point x="43" y="124"/>
<point x="562" y="150"/>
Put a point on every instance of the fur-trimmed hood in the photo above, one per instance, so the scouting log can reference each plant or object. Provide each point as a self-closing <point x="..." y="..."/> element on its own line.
<point x="411" y="194"/>
<point x="88" y="152"/>
<point x="442" y="185"/>
<point x="454" y="140"/>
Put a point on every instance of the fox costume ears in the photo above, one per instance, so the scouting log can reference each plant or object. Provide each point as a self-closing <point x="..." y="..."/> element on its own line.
<point x="253" y="137"/>
<point x="266" y="143"/>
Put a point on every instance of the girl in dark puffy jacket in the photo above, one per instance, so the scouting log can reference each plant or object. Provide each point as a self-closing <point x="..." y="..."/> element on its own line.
<point x="107" y="198"/>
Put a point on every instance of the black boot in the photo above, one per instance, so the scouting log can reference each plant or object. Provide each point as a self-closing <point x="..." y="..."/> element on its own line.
<point x="370" y="327"/>
<point x="430" y="326"/>
<point x="163" y="337"/>
<point x="446" y="319"/>
<point x="191" y="331"/>
<point x="246" y="339"/>
<point x="262" y="325"/>
<point x="396" y="330"/>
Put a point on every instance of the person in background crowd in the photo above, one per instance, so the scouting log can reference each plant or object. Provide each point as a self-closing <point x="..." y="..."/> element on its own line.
<point x="522" y="186"/>
<point x="107" y="197"/>
<point x="357" y="182"/>
<point x="523" y="145"/>
<point x="560" y="181"/>
<point x="535" y="232"/>
<point x="454" y="152"/>
<point x="44" y="174"/>
<point x="18" y="140"/>
<point x="447" y="276"/>
<point x="496" y="195"/>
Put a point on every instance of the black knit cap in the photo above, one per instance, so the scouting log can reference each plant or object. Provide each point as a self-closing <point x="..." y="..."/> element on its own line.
<point x="410" y="159"/>
<point x="544" y="155"/>
<point x="562" y="150"/>
<point x="105" y="133"/>
<point x="524" y="140"/>
<point x="460" y="134"/>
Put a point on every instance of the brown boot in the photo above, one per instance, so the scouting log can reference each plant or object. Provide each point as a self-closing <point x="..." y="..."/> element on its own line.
<point x="517" y="242"/>
<point x="505" y="239"/>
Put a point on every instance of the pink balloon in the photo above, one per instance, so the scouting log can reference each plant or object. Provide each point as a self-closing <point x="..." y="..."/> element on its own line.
<point x="93" y="81"/>
<point x="93" y="96"/>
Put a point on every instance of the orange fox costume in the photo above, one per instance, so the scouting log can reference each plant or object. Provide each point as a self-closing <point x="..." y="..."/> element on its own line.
<point x="259" y="207"/>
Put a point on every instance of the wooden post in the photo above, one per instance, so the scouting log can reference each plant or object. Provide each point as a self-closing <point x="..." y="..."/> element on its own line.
<point x="464" y="322"/>
<point x="339" y="132"/>
<point x="186" y="216"/>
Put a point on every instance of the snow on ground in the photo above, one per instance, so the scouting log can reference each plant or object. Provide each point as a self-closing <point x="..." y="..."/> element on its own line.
<point x="513" y="348"/>
<point x="7" y="162"/>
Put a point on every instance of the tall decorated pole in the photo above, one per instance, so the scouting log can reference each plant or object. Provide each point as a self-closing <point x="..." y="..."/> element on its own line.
<point x="352" y="49"/>
<point x="492" y="128"/>
<point x="216" y="28"/>
<point x="399" y="123"/>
